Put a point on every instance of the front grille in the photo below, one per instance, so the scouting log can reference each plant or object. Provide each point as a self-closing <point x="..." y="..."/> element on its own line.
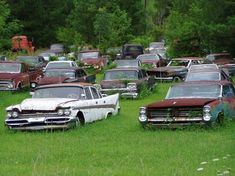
<point x="4" y="85"/>
<point x="37" y="115"/>
<point x="161" y="74"/>
<point x="171" y="113"/>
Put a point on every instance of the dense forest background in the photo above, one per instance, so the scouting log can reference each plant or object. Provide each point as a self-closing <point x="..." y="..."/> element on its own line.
<point x="189" y="27"/>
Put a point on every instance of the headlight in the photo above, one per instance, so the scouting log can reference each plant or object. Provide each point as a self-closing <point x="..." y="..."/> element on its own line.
<point x="142" y="114"/>
<point x="9" y="114"/>
<point x="15" y="114"/>
<point x="33" y="85"/>
<point x="10" y="85"/>
<point x="60" y="112"/>
<point x="132" y="86"/>
<point x="67" y="112"/>
<point x="207" y="113"/>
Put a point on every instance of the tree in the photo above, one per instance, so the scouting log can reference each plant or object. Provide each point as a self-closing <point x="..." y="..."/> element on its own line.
<point x="8" y="26"/>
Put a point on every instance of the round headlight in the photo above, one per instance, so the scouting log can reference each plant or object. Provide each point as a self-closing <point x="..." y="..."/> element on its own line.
<point x="9" y="114"/>
<point x="207" y="109"/>
<point x="60" y="112"/>
<point x="15" y="114"/>
<point x="10" y="85"/>
<point x="67" y="112"/>
<point x="33" y="85"/>
<point x="142" y="110"/>
<point x="207" y="117"/>
<point x="142" y="118"/>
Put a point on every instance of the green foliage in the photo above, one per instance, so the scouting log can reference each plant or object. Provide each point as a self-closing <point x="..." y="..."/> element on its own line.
<point x="8" y="26"/>
<point x="144" y="40"/>
<point x="198" y="27"/>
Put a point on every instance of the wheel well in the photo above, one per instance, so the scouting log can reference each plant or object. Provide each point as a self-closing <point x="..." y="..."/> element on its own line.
<point x="109" y="114"/>
<point x="81" y="117"/>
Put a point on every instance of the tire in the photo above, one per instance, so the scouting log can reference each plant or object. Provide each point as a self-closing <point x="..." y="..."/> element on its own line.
<point x="177" y="79"/>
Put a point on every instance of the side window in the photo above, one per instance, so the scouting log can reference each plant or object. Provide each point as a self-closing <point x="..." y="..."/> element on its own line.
<point x="83" y="73"/>
<point x="23" y="69"/>
<point x="88" y="93"/>
<point x="94" y="93"/>
<point x="223" y="76"/>
<point x="228" y="91"/>
<point x="140" y="76"/>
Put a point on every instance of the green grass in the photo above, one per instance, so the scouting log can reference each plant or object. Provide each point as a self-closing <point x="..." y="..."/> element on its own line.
<point x="116" y="146"/>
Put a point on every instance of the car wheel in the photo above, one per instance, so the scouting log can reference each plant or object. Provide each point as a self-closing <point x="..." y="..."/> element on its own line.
<point x="176" y="79"/>
<point x="19" y="88"/>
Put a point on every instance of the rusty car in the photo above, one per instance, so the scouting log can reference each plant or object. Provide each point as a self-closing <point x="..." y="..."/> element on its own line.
<point x="62" y="75"/>
<point x="92" y="58"/>
<point x="127" y="81"/>
<point x="33" y="61"/>
<point x="223" y="60"/>
<point x="151" y="60"/>
<point x="16" y="75"/>
<point x="192" y="103"/>
<point x="176" y="69"/>
<point x="61" y="106"/>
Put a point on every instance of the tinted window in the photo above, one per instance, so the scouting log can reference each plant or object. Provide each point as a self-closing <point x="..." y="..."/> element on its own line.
<point x="228" y="91"/>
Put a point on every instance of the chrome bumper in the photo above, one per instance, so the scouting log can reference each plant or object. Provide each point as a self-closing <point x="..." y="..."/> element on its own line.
<point x="124" y="92"/>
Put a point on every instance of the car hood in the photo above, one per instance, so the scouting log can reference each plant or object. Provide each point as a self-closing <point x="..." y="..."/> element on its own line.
<point x="149" y="61"/>
<point x="9" y="76"/>
<point x="170" y="69"/>
<point x="182" y="102"/>
<point x="51" y="80"/>
<point x="43" y="103"/>
<point x="91" y="61"/>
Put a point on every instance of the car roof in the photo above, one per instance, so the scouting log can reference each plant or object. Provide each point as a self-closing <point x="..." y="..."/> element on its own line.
<point x="88" y="51"/>
<point x="218" y="54"/>
<point x="14" y="62"/>
<point x="65" y="69"/>
<point x="189" y="58"/>
<point x="204" y="67"/>
<point x="80" y="84"/>
<point x="190" y="83"/>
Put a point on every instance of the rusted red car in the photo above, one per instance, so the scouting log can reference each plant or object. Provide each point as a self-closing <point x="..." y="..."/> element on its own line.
<point x="63" y="75"/>
<point x="198" y="102"/>
<point x="223" y="60"/>
<point x="176" y="69"/>
<point x="126" y="81"/>
<point x="17" y="75"/>
<point x="152" y="60"/>
<point x="92" y="58"/>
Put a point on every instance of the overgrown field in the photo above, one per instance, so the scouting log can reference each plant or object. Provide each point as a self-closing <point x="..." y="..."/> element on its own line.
<point x="116" y="146"/>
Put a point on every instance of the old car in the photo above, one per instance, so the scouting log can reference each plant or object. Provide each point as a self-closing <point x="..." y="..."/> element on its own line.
<point x="33" y="61"/>
<point x="61" y="64"/>
<point x="130" y="51"/>
<point x="92" y="58"/>
<point x="223" y="60"/>
<point x="61" y="106"/>
<point x="127" y="81"/>
<point x="199" y="103"/>
<point x="151" y="60"/>
<point x="16" y="75"/>
<point x="206" y="72"/>
<point x="62" y="75"/>
<point x="176" y="69"/>
<point x="57" y="48"/>
<point x="47" y="55"/>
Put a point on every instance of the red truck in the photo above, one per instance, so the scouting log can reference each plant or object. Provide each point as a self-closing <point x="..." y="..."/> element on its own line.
<point x="20" y="43"/>
<point x="17" y="75"/>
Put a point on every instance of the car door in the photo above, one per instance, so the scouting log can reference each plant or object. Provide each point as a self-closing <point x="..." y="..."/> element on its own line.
<point x="228" y="100"/>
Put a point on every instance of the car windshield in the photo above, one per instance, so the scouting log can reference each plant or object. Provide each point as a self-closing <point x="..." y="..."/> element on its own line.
<point x="10" y="67"/>
<point x="121" y="75"/>
<point x="183" y="63"/>
<point x="156" y="45"/>
<point x="60" y="73"/>
<point x="148" y="57"/>
<point x="194" y="91"/>
<point x="203" y="76"/>
<point x="59" y="92"/>
<point x="28" y="60"/>
<point x="90" y="55"/>
<point x="127" y="63"/>
<point x="58" y="65"/>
